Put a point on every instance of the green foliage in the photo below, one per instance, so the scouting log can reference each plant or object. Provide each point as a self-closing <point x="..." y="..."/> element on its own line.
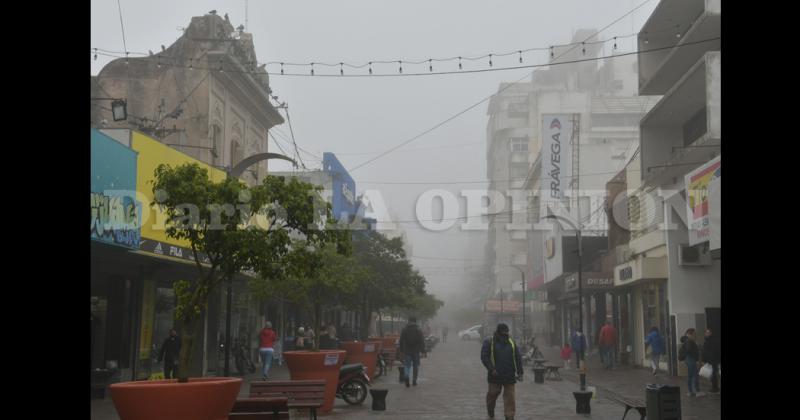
<point x="424" y="306"/>
<point x="385" y="279"/>
<point x="237" y="228"/>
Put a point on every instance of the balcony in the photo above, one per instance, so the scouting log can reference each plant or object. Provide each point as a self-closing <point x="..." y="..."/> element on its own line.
<point x="695" y="20"/>
<point x="684" y="129"/>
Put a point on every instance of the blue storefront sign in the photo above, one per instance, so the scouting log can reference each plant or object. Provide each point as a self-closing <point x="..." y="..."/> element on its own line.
<point x="344" y="188"/>
<point x="115" y="212"/>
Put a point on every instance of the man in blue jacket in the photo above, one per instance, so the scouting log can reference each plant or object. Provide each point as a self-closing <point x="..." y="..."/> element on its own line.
<point x="502" y="359"/>
<point x="657" y="348"/>
<point x="578" y="343"/>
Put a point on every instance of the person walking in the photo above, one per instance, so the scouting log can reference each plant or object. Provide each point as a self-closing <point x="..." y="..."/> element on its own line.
<point x="690" y="354"/>
<point x="503" y="362"/>
<point x="608" y="338"/>
<point x="566" y="355"/>
<point x="169" y="353"/>
<point x="445" y="330"/>
<point x="266" y="350"/>
<point x="412" y="343"/>
<point x="657" y="348"/>
<point x="578" y="342"/>
<point x="711" y="355"/>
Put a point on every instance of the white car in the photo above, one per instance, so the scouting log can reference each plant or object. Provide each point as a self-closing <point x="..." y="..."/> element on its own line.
<point x="471" y="333"/>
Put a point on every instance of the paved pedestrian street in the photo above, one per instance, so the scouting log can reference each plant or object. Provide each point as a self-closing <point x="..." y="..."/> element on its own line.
<point x="452" y="385"/>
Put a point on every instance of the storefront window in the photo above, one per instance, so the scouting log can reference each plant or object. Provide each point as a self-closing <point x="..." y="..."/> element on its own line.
<point x="244" y="323"/>
<point x="157" y="318"/>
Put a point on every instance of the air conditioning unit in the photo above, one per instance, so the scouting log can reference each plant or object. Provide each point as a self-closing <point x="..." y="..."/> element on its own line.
<point x="697" y="255"/>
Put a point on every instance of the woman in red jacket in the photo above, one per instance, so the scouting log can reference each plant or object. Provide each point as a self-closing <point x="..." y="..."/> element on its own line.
<point x="267" y="338"/>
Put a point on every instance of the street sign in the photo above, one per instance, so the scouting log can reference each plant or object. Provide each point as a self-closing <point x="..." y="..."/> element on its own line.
<point x="508" y="306"/>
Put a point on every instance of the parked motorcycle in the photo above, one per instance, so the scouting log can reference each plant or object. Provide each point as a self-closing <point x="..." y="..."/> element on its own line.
<point x="353" y="383"/>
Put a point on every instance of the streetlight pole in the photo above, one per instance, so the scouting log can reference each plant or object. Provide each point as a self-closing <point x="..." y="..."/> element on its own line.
<point x="235" y="172"/>
<point x="580" y="310"/>
<point x="582" y="397"/>
<point x="524" y="334"/>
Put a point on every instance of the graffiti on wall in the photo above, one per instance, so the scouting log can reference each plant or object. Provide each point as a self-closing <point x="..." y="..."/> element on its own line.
<point x="115" y="219"/>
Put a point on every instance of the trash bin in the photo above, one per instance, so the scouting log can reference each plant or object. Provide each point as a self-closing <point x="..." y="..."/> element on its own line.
<point x="663" y="402"/>
<point x="583" y="402"/>
<point x="538" y="375"/>
<point x="378" y="398"/>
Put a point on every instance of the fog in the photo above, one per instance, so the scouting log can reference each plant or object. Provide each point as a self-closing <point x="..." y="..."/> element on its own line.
<point x="360" y="118"/>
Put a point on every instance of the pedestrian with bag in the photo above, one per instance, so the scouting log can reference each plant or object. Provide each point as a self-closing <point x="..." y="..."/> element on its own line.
<point x="657" y="348"/>
<point x="711" y="356"/>
<point x="170" y="351"/>
<point x="690" y="354"/>
<point x="503" y="362"/>
<point x="412" y="343"/>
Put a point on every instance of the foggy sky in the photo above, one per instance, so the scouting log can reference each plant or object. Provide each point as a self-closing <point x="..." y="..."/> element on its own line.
<point x="355" y="116"/>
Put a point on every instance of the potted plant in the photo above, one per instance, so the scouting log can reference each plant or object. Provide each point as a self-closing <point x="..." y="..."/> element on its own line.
<point x="229" y="228"/>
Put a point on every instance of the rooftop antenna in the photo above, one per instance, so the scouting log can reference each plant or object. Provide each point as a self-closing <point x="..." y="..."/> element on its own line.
<point x="245" y="15"/>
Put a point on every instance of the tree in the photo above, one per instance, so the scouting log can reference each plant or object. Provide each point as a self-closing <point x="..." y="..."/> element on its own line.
<point x="424" y="306"/>
<point x="319" y="274"/>
<point x="237" y="228"/>
<point x="386" y="279"/>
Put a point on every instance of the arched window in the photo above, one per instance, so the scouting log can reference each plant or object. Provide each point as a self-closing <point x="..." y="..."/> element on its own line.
<point x="236" y="153"/>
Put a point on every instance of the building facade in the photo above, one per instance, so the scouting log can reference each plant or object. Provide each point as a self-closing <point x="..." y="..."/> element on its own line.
<point x="670" y="269"/>
<point x="203" y="101"/>
<point x="184" y="97"/>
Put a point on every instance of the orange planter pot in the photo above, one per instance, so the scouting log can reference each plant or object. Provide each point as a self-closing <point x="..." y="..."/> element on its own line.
<point x="323" y="364"/>
<point x="364" y="352"/>
<point x="198" y="399"/>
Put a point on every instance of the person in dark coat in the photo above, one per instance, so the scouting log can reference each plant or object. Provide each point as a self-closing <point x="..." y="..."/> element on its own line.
<point x="578" y="343"/>
<point x="326" y="340"/>
<point x="502" y="359"/>
<point x="690" y="354"/>
<point x="412" y="343"/>
<point x="169" y="353"/>
<point x="711" y="355"/>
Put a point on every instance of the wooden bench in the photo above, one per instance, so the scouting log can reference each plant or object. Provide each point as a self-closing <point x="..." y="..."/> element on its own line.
<point x="259" y="408"/>
<point x="630" y="403"/>
<point x="389" y="355"/>
<point x="301" y="394"/>
<point x="552" y="372"/>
